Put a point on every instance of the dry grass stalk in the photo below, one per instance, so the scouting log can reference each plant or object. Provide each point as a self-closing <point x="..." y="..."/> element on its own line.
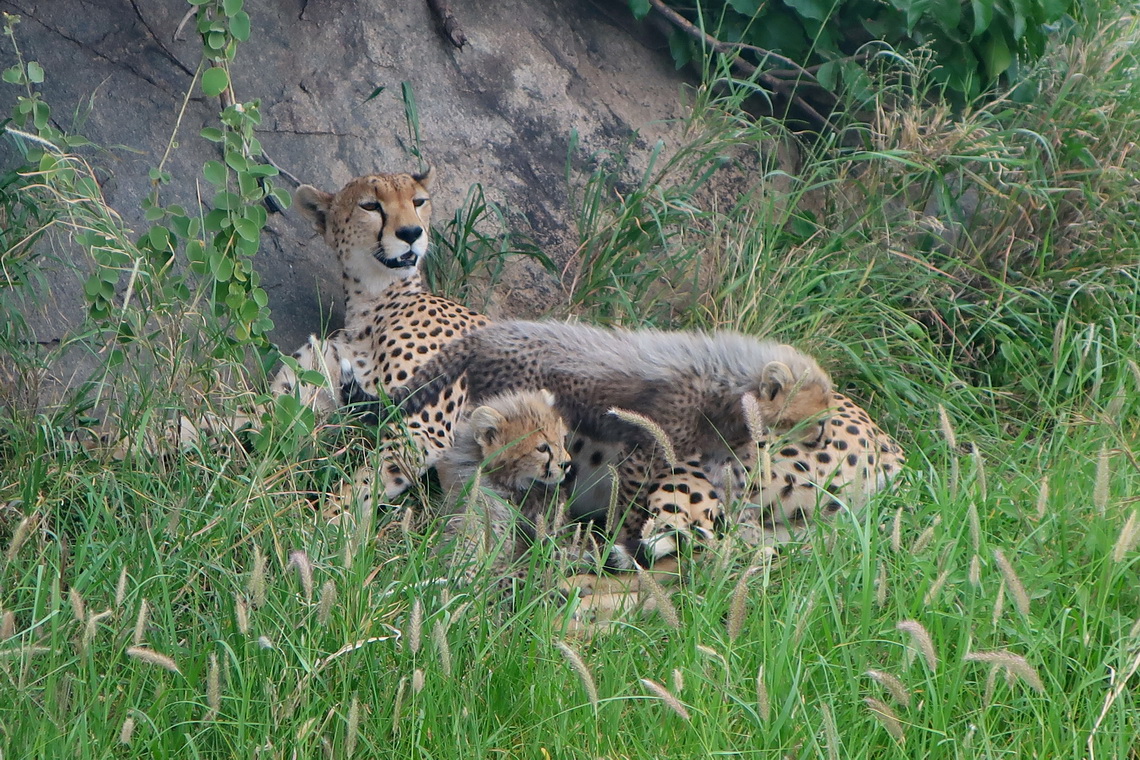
<point x="1016" y="590"/>
<point x="1043" y="499"/>
<point x="584" y="675"/>
<point x="920" y="642"/>
<point x="78" y="608"/>
<point x="213" y="688"/>
<point x="19" y="536"/>
<point x="886" y="716"/>
<point x="664" y="604"/>
<point x="300" y="560"/>
<point x="651" y="427"/>
<point x="140" y="623"/>
<point x="896" y="532"/>
<point x="417" y="680"/>
<point x="152" y="657"/>
<point x="256" y="588"/>
<point x="353" y="730"/>
<point x="738" y="605"/>
<point x="897" y="689"/>
<point x="327" y="602"/>
<point x="935" y="588"/>
<point x="439" y="637"/>
<point x="831" y="731"/>
<point x="763" y="705"/>
<point x="1127" y="539"/>
<point x="241" y="612"/>
<point x="121" y="588"/>
<point x="127" y="732"/>
<point x="667" y="697"/>
<point x="1014" y="664"/>
<point x="1103" y="474"/>
<point x="415" y="627"/>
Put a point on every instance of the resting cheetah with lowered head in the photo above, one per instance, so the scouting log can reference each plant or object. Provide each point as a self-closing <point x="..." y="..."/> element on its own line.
<point x="378" y="225"/>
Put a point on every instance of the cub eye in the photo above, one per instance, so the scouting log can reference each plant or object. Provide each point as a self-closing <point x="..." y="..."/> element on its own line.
<point x="370" y="205"/>
<point x="544" y="448"/>
<point x="417" y="202"/>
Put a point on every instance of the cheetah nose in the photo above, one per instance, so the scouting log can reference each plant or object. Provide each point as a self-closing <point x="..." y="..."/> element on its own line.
<point x="409" y="234"/>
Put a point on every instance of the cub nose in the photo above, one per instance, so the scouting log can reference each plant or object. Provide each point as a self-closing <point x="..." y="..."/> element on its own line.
<point x="409" y="234"/>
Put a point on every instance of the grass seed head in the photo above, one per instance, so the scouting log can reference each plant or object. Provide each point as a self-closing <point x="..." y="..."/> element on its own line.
<point x="353" y="729"/>
<point x="151" y="657"/>
<point x="947" y="430"/>
<point x="213" y="688"/>
<point x="417" y="681"/>
<point x="893" y="685"/>
<point x="415" y="626"/>
<point x="256" y="587"/>
<point x="300" y="560"/>
<point x="7" y="625"/>
<point x="920" y="642"/>
<point x="1014" y="665"/>
<point x="439" y="637"/>
<point x="656" y="431"/>
<point x="1103" y="473"/>
<point x="896" y="532"/>
<point x="265" y="642"/>
<point x="583" y="672"/>
<point x="1043" y="499"/>
<point x="121" y="588"/>
<point x="1016" y="590"/>
<point x="926" y="536"/>
<point x="831" y="731"/>
<point x="127" y="732"/>
<point x="739" y="605"/>
<point x="327" y="602"/>
<point x="662" y="601"/>
<point x="881" y="585"/>
<point x="1127" y="539"/>
<point x="241" y="613"/>
<point x="980" y="472"/>
<point x="763" y="705"/>
<point x="935" y="588"/>
<point x="19" y="536"/>
<point x="886" y="716"/>
<point x="140" y="623"/>
<point x="678" y="680"/>
<point x="667" y="697"/>
<point x="397" y="707"/>
<point x="78" y="608"/>
<point x="975" y="526"/>
<point x="754" y="418"/>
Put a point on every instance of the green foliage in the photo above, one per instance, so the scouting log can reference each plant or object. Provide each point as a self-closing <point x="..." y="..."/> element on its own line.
<point x="976" y="46"/>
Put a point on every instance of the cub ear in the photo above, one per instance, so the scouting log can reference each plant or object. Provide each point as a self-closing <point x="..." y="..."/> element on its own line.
<point x="314" y="205"/>
<point x="485" y="423"/>
<point x="548" y="397"/>
<point x="775" y="378"/>
<point x="425" y="177"/>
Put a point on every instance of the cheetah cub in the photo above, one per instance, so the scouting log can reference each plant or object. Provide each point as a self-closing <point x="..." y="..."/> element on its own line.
<point x="502" y="476"/>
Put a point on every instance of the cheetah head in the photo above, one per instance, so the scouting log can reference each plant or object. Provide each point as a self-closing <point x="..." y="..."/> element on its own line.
<point x="378" y="220"/>
<point x="523" y="440"/>
<point x="793" y="393"/>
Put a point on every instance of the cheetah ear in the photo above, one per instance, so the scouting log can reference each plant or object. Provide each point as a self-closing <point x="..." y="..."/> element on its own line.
<point x="548" y="397"/>
<point x="485" y="423"/>
<point x="314" y="205"/>
<point x="776" y="377"/>
<point x="425" y="177"/>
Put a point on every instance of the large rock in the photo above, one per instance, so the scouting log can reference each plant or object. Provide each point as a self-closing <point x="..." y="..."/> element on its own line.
<point x="499" y="112"/>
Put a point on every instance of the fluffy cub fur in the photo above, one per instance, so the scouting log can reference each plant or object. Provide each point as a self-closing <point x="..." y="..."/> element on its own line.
<point x="502" y="475"/>
<point x="691" y="384"/>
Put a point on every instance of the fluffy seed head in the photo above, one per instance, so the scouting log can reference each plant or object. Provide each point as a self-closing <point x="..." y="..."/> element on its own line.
<point x="831" y="731"/>
<point x="213" y="688"/>
<point x="257" y="579"/>
<point x="893" y="685"/>
<point x="1014" y="664"/>
<point x="896" y="532"/>
<point x="353" y="726"/>
<point x="152" y="657"/>
<point x="920" y="642"/>
<point x="140" y="623"/>
<point x="667" y="697"/>
<point x="417" y="681"/>
<point x="121" y="588"/>
<point x="662" y="601"/>
<point x="327" y="602"/>
<point x="1127" y="539"/>
<point x="300" y="560"/>
<point x="241" y="612"/>
<point x="78" y="608"/>
<point x="935" y="588"/>
<point x="651" y="427"/>
<point x="127" y="732"/>
<point x="415" y="627"/>
<point x="439" y="637"/>
<point x="1103" y="473"/>
<point x="19" y="536"/>
<point x="7" y="625"/>
<point x="738" y="606"/>
<point x="584" y="675"/>
<point x="1016" y="590"/>
<point x="1043" y="499"/>
<point x="886" y="716"/>
<point x="763" y="706"/>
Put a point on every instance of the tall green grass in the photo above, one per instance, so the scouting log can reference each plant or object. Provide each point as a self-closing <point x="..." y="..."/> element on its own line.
<point x="972" y="282"/>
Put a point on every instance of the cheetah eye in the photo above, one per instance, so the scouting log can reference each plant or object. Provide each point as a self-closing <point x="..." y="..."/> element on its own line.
<point x="544" y="448"/>
<point x="417" y="202"/>
<point x="370" y="205"/>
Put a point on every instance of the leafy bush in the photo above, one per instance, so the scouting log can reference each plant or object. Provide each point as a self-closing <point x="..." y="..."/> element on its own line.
<point x="975" y="46"/>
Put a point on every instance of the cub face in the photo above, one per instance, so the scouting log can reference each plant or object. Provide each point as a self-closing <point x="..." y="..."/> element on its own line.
<point x="523" y="441"/>
<point x="787" y="399"/>
<point x="382" y="218"/>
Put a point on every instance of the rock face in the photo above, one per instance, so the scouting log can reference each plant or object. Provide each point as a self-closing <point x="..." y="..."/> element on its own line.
<point x="499" y="112"/>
